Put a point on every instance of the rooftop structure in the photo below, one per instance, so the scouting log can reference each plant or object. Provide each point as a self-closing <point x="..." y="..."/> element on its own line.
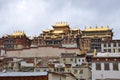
<point x="62" y="24"/>
<point x="18" y="33"/>
<point x="92" y="37"/>
<point x="17" y="40"/>
<point x="102" y="32"/>
<point x="97" y="29"/>
<point x="61" y="35"/>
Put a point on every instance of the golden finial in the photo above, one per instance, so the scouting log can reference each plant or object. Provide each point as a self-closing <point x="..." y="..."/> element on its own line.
<point x="94" y="54"/>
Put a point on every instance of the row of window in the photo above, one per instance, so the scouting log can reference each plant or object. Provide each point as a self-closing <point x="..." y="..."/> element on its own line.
<point x="51" y="42"/>
<point x="107" y="66"/>
<point x="114" y="45"/>
<point x="65" y="59"/>
<point x="8" y="41"/>
<point x="96" y="45"/>
<point x="9" y="46"/>
<point x="95" y="40"/>
<point x="110" y="50"/>
<point x="70" y="55"/>
<point x="83" y="60"/>
<point x="76" y="71"/>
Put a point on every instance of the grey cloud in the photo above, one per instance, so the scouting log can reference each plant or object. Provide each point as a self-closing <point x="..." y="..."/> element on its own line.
<point x="33" y="16"/>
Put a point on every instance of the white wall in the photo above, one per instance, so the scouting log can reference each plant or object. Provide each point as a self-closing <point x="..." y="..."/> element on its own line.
<point x="40" y="52"/>
<point x="74" y="45"/>
<point x="2" y="52"/>
<point x="112" y="47"/>
<point x="102" y="74"/>
<point x="53" y="76"/>
<point x="82" y="60"/>
<point x="23" y="63"/>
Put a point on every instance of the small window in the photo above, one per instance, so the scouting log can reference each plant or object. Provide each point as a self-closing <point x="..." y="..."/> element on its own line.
<point x="119" y="44"/>
<point x="9" y="67"/>
<point x="109" y="45"/>
<point x="75" y="71"/>
<point x="81" y="71"/>
<point x="115" y="66"/>
<point x="79" y="60"/>
<point x="114" y="50"/>
<point x="68" y="70"/>
<point x="118" y="50"/>
<point x="114" y="44"/>
<point x="44" y="70"/>
<point x="104" y="45"/>
<point x="64" y="59"/>
<point x="83" y="60"/>
<point x="109" y="50"/>
<point x="98" y="66"/>
<point x="106" y="66"/>
<point x="71" y="59"/>
<point x="105" y="50"/>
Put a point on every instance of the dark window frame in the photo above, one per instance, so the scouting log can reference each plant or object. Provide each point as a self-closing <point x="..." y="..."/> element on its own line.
<point x="106" y="66"/>
<point x="109" y="45"/>
<point x="98" y="66"/>
<point x="105" y="45"/>
<point x="115" y="66"/>
<point x="114" y="44"/>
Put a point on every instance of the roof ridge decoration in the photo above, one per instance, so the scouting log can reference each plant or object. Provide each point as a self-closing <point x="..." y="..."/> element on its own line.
<point x="97" y="28"/>
<point x="18" y="33"/>
<point x="61" y="24"/>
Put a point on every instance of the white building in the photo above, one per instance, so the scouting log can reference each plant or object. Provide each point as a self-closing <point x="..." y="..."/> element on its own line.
<point x="81" y="59"/>
<point x="82" y="72"/>
<point x="2" y="52"/>
<point x="110" y="46"/>
<point x="73" y="58"/>
<point x="35" y="76"/>
<point x="106" y="66"/>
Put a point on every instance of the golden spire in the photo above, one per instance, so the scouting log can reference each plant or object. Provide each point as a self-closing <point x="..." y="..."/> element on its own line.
<point x="97" y="29"/>
<point x="94" y="54"/>
<point x="65" y="69"/>
<point x="18" y="33"/>
<point x="61" y="24"/>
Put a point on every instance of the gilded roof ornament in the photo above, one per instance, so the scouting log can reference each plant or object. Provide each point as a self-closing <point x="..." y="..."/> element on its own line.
<point x="47" y="30"/>
<point x="97" y="29"/>
<point x="76" y="28"/>
<point x="61" y="24"/>
<point x="18" y="33"/>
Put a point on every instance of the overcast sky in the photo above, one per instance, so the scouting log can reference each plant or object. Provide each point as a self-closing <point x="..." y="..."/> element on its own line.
<point x="33" y="16"/>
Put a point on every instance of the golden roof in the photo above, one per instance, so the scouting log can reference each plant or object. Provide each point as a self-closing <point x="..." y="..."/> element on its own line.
<point x="47" y="30"/>
<point x="75" y="28"/>
<point x="18" y="33"/>
<point x="58" y="31"/>
<point x="97" y="29"/>
<point x="53" y="36"/>
<point x="61" y="24"/>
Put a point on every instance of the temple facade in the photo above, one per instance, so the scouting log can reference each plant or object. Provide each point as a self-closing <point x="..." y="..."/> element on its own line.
<point x="61" y="36"/>
<point x="91" y="38"/>
<point x="17" y="40"/>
